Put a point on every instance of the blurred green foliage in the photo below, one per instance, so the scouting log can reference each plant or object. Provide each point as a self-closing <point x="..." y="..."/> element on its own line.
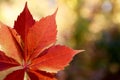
<point x="96" y="29"/>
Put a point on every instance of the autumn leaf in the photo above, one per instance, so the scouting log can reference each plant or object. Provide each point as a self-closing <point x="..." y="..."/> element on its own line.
<point x="30" y="48"/>
<point x="6" y="62"/>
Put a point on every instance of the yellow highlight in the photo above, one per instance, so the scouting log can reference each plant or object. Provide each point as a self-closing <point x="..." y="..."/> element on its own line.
<point x="72" y="3"/>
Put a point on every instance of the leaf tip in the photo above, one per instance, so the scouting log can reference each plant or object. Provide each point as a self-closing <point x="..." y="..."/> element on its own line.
<point x="26" y="4"/>
<point x="26" y="7"/>
<point x="54" y="14"/>
<point x="78" y="51"/>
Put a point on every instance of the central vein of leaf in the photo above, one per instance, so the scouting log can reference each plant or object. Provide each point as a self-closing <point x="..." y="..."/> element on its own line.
<point x="25" y="66"/>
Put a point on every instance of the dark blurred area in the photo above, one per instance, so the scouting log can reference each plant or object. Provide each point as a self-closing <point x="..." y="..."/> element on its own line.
<point x="95" y="28"/>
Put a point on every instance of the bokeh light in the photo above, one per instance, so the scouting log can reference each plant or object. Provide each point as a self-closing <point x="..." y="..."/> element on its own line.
<point x="92" y="25"/>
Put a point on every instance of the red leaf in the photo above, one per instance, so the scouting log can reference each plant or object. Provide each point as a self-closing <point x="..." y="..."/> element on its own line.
<point x="23" y="23"/>
<point x="54" y="59"/>
<point x="7" y="62"/>
<point x="28" y="43"/>
<point x="8" y="44"/>
<point x="41" y="35"/>
<point x="39" y="75"/>
<point x="16" y="75"/>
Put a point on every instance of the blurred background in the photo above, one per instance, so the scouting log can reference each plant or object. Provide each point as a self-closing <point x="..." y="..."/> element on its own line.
<point x="92" y="25"/>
